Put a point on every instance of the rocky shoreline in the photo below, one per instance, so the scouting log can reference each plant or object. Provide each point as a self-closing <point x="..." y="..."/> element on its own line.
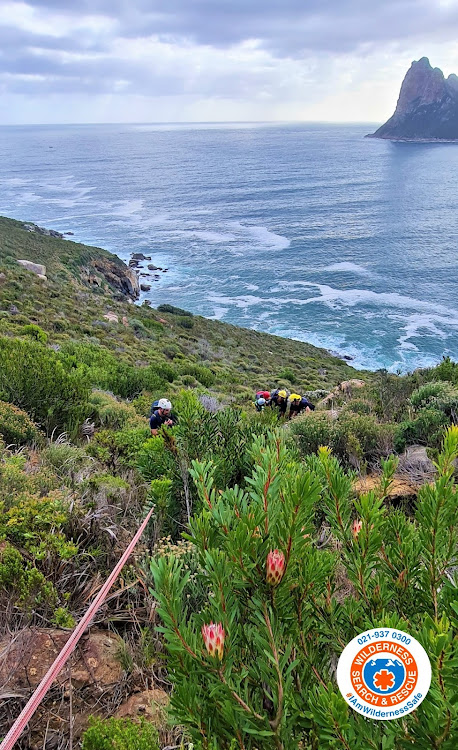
<point x="136" y="263"/>
<point x="410" y="140"/>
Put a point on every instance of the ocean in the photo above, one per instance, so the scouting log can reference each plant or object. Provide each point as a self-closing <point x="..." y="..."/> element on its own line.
<point x="307" y="231"/>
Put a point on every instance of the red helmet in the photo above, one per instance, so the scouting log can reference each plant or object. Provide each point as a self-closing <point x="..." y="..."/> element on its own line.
<point x="263" y="394"/>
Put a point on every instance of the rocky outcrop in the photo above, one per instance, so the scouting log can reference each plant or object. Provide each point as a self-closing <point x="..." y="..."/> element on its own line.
<point x="427" y="107"/>
<point x="345" y="388"/>
<point x="119" y="276"/>
<point x="416" y="464"/>
<point x="111" y="317"/>
<point x="35" y="268"/>
<point x="46" y="232"/>
<point x="27" y="656"/>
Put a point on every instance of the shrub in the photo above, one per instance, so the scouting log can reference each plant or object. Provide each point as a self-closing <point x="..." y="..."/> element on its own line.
<point x="203" y="374"/>
<point x="20" y="580"/>
<point x="120" y="448"/>
<point x="16" y="427"/>
<point x="35" y="379"/>
<point x="65" y="459"/>
<point x="35" y="525"/>
<point x="109" y="412"/>
<point x="352" y="437"/>
<point x="120" y="734"/>
<point x="184" y="322"/>
<point x="426" y="429"/>
<point x="359" y="406"/>
<point x="280" y="637"/>
<point x="288" y="374"/>
<point x="174" y="310"/>
<point x="437" y="395"/>
<point x="35" y="332"/>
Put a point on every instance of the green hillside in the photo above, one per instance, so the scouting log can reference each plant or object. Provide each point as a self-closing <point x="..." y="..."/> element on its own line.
<point x="70" y="306"/>
<point x="273" y="541"/>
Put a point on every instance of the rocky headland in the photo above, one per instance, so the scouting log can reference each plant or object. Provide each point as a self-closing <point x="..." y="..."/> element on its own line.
<point x="427" y="108"/>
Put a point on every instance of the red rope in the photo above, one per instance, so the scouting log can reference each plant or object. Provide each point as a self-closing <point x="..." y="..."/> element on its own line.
<point x="40" y="692"/>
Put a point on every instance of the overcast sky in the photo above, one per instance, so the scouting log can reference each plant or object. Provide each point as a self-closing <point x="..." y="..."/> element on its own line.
<point x="200" y="60"/>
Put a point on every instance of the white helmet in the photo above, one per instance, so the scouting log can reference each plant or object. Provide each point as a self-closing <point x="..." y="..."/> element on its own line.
<point x="163" y="403"/>
<point x="261" y="401"/>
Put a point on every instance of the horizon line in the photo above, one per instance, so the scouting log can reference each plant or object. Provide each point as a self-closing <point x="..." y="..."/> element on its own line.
<point x="193" y="122"/>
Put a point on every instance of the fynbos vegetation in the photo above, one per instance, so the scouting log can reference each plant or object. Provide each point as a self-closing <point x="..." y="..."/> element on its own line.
<point x="273" y="542"/>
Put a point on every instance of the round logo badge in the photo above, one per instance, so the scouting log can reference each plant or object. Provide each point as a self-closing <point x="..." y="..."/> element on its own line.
<point x="384" y="673"/>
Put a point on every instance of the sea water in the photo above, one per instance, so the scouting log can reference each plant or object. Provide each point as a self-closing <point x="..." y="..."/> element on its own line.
<point x="306" y="231"/>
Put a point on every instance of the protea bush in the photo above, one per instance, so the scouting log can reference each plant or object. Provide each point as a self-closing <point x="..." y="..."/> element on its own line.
<point x="287" y="593"/>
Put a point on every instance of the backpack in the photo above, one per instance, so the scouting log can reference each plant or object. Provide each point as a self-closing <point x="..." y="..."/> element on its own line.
<point x="154" y="406"/>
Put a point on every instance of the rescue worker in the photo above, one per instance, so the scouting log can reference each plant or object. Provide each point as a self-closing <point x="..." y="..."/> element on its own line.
<point x="299" y="404"/>
<point x="279" y="399"/>
<point x="161" y="416"/>
<point x="260" y="403"/>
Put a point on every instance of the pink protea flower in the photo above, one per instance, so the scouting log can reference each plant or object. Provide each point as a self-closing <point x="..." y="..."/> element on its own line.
<point x="214" y="635"/>
<point x="356" y="527"/>
<point x="275" y="567"/>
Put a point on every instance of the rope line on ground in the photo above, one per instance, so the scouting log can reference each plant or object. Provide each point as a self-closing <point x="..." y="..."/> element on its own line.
<point x="40" y="692"/>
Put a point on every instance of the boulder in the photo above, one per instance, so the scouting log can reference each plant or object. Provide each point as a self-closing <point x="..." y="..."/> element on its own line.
<point x="42" y="230"/>
<point x="35" y="268"/>
<point x="152" y="267"/>
<point x="145" y="287"/>
<point x="348" y="385"/>
<point x="112" y="317"/>
<point x="150" y="704"/>
<point x="26" y="657"/>
<point x="2" y="278"/>
<point x="119" y="276"/>
<point x="140" y="256"/>
<point x="415" y="462"/>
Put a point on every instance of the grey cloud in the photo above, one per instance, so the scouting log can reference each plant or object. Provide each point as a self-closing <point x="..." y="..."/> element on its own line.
<point x="285" y="28"/>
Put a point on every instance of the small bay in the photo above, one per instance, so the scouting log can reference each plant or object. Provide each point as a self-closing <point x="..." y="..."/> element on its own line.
<point x="304" y="230"/>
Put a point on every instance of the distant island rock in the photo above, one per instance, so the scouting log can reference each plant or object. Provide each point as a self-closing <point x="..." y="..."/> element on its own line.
<point x="427" y="108"/>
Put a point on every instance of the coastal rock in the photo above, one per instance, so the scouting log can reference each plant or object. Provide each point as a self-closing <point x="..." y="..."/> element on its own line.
<point x="152" y="267"/>
<point x="145" y="287"/>
<point x="35" y="268"/>
<point x="42" y="230"/>
<point x="140" y="256"/>
<point x="118" y="276"/>
<point x="427" y="107"/>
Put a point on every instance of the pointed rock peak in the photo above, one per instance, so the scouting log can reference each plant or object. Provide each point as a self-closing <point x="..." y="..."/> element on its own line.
<point x="427" y="107"/>
<point x="423" y="61"/>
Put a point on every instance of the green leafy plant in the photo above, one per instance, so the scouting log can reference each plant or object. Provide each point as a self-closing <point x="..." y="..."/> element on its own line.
<point x="16" y="427"/>
<point x="120" y="734"/>
<point x="256" y="663"/>
<point x="35" y="379"/>
<point x="35" y="332"/>
<point x="174" y="310"/>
